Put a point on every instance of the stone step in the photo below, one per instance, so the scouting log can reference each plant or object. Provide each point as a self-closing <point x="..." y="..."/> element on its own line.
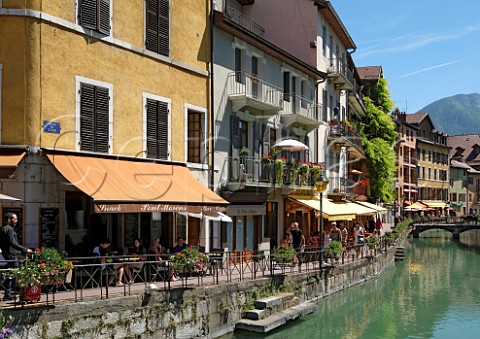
<point x="273" y="301"/>
<point x="271" y="307"/>
<point x="276" y="320"/>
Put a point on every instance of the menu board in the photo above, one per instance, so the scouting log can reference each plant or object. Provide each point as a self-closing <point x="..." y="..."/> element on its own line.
<point x="18" y="210"/>
<point x="49" y="227"/>
<point x="131" y="229"/>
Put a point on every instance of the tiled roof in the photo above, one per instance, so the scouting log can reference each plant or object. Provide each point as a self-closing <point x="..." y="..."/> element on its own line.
<point x="467" y="143"/>
<point x="370" y="72"/>
<point x="415" y="118"/>
<point x="459" y="164"/>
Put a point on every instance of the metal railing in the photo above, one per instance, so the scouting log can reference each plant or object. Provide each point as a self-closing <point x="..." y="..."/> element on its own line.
<point x="252" y="86"/>
<point x="297" y="104"/>
<point x="339" y="66"/>
<point x="240" y="19"/>
<point x="92" y="281"/>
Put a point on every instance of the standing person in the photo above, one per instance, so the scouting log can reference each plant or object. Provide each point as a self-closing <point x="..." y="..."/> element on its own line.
<point x="298" y="240"/>
<point x="344" y="233"/>
<point x="10" y="250"/>
<point x="371" y="224"/>
<point x="335" y="233"/>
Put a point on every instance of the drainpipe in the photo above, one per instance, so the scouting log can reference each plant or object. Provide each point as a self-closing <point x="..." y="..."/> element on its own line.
<point x="212" y="101"/>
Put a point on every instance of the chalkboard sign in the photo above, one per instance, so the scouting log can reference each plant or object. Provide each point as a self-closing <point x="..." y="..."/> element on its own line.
<point x="131" y="229"/>
<point x="49" y="227"/>
<point x="18" y="210"/>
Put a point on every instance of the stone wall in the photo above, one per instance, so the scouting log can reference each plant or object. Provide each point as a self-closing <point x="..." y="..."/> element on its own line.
<point x="207" y="311"/>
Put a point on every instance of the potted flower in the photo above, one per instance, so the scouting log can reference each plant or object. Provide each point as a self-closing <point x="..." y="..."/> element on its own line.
<point x="278" y="167"/>
<point x="334" y="250"/>
<point x="317" y="171"/>
<point x="189" y="260"/>
<point x="304" y="171"/>
<point x="46" y="267"/>
<point x="267" y="159"/>
<point x="333" y="122"/>
<point x="284" y="254"/>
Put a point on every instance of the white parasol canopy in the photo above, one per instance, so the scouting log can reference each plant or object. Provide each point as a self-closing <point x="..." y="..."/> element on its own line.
<point x="7" y="197"/>
<point x="290" y="145"/>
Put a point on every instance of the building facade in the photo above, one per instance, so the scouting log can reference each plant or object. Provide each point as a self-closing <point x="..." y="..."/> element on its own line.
<point x="98" y="82"/>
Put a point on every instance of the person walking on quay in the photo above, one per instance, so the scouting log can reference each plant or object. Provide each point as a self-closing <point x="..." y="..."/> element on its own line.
<point x="298" y="240"/>
<point x="10" y="250"/>
<point x="335" y="233"/>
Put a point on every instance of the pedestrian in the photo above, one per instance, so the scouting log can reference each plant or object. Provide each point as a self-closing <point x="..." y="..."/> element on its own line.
<point x="298" y="240"/>
<point x="10" y="250"/>
<point x="371" y="224"/>
<point x="335" y="233"/>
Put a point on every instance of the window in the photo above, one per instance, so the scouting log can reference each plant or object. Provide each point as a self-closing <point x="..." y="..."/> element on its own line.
<point x="158" y="26"/>
<point x="94" y="117"/>
<point x="195" y="138"/>
<point x="157" y="127"/>
<point x="286" y="86"/>
<point x="95" y="14"/>
<point x="238" y="65"/>
<point x="324" y="41"/>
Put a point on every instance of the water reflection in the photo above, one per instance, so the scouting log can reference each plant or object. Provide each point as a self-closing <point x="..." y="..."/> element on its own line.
<point x="433" y="293"/>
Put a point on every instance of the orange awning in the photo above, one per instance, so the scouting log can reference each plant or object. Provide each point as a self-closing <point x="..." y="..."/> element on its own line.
<point x="127" y="186"/>
<point x="11" y="160"/>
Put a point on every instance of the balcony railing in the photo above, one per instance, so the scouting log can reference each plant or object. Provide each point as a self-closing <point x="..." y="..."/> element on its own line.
<point x="341" y="185"/>
<point x="300" y="110"/>
<point x="256" y="171"/>
<point x="346" y="133"/>
<point x="240" y="19"/>
<point x="339" y="72"/>
<point x="247" y="89"/>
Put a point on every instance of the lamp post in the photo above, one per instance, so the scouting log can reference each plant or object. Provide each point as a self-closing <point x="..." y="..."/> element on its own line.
<point x="321" y="186"/>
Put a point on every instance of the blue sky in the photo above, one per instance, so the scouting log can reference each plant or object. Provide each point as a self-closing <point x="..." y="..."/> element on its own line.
<point x="428" y="49"/>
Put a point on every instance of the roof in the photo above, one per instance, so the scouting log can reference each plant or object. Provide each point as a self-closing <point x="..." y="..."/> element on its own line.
<point x="370" y="72"/>
<point x="465" y="145"/>
<point x="415" y="118"/>
<point x="459" y="164"/>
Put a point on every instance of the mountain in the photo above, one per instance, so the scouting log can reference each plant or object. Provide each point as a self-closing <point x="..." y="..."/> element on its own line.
<point x="458" y="114"/>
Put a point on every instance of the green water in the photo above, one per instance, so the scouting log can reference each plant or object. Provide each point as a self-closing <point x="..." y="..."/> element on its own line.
<point x="433" y="293"/>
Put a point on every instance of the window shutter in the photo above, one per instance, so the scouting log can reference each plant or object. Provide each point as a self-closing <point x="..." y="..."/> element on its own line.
<point x="266" y="139"/>
<point x="158" y="26"/>
<point x="162" y="130"/>
<point x="104" y="17"/>
<point x="88" y="13"/>
<point x="152" y="25"/>
<point x="87" y="116"/>
<point x="101" y="119"/>
<point x="163" y="27"/>
<point x="157" y="129"/>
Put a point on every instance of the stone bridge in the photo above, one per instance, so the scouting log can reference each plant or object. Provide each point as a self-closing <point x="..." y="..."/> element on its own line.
<point x="455" y="229"/>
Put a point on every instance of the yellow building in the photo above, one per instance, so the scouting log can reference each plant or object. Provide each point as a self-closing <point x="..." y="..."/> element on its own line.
<point x="94" y="81"/>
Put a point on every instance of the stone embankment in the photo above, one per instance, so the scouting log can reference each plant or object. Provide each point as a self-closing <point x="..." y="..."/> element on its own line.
<point x="207" y="311"/>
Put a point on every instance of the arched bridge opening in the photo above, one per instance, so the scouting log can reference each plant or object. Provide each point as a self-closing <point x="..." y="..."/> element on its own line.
<point x="455" y="229"/>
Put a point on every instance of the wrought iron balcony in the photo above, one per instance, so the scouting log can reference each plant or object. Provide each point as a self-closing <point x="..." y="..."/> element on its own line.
<point x="347" y="136"/>
<point x="249" y="90"/>
<point x="240" y="19"/>
<point x="340" y="75"/>
<point x="254" y="171"/>
<point x="300" y="111"/>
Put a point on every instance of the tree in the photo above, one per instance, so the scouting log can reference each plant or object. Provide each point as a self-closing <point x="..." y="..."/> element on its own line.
<point x="377" y="130"/>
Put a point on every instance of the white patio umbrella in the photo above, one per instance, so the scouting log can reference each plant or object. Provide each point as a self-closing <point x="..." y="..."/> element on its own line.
<point x="290" y="145"/>
<point x="7" y="197"/>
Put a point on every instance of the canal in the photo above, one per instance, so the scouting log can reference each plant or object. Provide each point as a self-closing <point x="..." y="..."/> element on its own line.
<point x="433" y="293"/>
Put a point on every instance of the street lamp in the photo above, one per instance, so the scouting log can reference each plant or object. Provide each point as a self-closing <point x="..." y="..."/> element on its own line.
<point x="321" y="186"/>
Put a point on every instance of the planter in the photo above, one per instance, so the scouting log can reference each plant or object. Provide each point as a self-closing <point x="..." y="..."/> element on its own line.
<point x="30" y="293"/>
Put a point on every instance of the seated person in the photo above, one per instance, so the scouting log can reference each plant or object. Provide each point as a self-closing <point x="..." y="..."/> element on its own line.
<point x="138" y="251"/>
<point x="180" y="246"/>
<point x="156" y="248"/>
<point x="287" y="240"/>
<point x="102" y="251"/>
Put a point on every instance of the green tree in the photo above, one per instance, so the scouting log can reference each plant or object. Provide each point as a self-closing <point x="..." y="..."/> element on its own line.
<point x="377" y="130"/>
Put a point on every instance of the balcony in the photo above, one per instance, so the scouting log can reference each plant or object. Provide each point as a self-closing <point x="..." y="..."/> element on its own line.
<point x="246" y="172"/>
<point x="355" y="99"/>
<point x="241" y="20"/>
<point x="409" y="160"/>
<point x="340" y="186"/>
<point x="246" y="90"/>
<point x="346" y="136"/>
<point x="300" y="112"/>
<point x="340" y="75"/>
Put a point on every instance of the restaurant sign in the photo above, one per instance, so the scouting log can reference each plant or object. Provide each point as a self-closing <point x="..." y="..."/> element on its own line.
<point x="245" y="210"/>
<point x="156" y="208"/>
